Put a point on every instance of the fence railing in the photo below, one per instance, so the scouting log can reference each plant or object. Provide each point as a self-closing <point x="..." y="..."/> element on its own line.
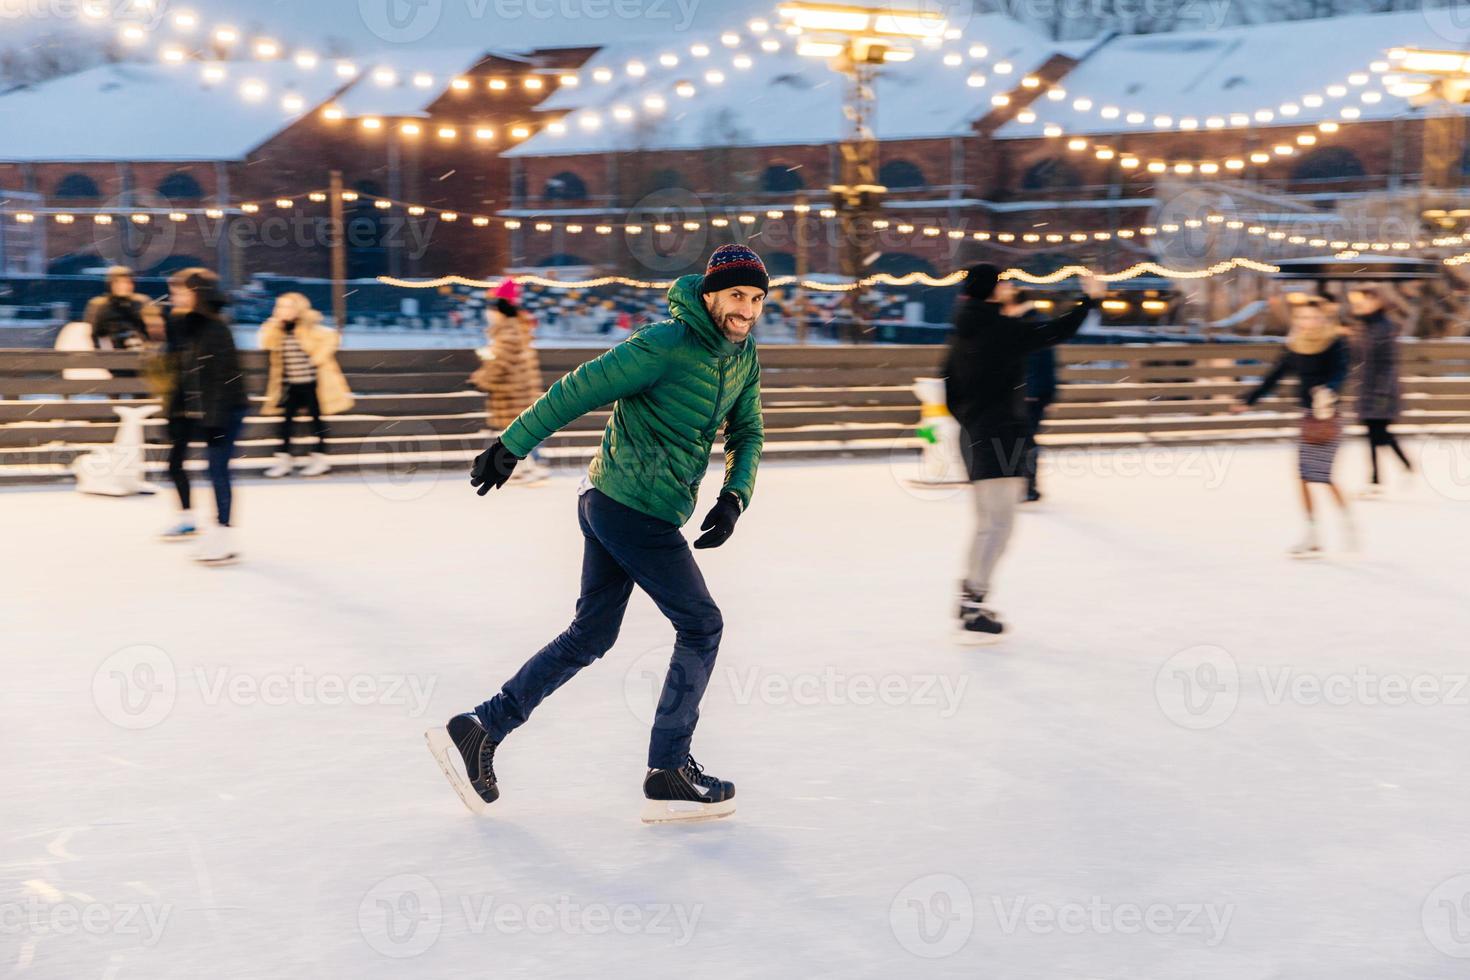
<point x="417" y="408"/>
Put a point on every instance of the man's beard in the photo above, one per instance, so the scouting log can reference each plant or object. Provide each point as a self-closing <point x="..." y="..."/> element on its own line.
<point x="730" y="324"/>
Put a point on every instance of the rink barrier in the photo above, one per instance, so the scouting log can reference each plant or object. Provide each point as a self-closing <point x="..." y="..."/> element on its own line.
<point x="416" y="408"/>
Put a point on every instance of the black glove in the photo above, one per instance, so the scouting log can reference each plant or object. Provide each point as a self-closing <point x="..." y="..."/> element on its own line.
<point x="719" y="523"/>
<point x="492" y="468"/>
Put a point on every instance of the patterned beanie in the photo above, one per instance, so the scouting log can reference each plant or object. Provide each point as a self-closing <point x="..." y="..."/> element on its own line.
<point x="735" y="265"/>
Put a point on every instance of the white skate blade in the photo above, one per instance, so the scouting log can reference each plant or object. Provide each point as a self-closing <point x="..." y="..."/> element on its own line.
<point x="1305" y="555"/>
<point x="218" y="562"/>
<point x="970" y="638"/>
<point x="444" y="751"/>
<point x="685" y="811"/>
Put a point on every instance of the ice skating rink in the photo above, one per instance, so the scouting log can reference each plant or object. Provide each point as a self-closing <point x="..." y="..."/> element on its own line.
<point x="1194" y="758"/>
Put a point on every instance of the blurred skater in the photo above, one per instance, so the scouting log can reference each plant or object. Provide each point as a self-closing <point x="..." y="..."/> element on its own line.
<point x="985" y="374"/>
<point x="304" y="377"/>
<point x="121" y="319"/>
<point x="1041" y="381"/>
<point x="1378" y="379"/>
<point x="207" y="404"/>
<point x="510" y="372"/>
<point x="1317" y="354"/>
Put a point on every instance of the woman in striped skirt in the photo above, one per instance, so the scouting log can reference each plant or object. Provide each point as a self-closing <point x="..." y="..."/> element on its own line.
<point x="1317" y="354"/>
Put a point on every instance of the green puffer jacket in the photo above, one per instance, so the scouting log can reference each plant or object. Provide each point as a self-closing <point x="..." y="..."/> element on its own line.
<point x="673" y="384"/>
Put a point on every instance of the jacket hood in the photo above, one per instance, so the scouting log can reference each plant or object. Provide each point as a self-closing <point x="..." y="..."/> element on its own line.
<point x="686" y="304"/>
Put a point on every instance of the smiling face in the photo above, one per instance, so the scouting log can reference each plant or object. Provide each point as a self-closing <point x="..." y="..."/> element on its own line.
<point x="735" y="310"/>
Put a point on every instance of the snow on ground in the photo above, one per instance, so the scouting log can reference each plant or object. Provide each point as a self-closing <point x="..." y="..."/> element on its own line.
<point x="1194" y="758"/>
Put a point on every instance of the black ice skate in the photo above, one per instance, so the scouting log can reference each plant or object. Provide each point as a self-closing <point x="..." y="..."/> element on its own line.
<point x="686" y="794"/>
<point x="970" y="602"/>
<point x="467" y="756"/>
<point x="981" y="626"/>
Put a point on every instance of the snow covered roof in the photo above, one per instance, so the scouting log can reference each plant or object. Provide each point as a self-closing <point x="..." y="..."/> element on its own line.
<point x="782" y="98"/>
<point x="153" y="112"/>
<point x="1198" y="74"/>
<point x="144" y="111"/>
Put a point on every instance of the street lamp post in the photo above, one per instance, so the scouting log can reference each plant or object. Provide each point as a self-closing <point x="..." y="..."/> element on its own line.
<point x="855" y="41"/>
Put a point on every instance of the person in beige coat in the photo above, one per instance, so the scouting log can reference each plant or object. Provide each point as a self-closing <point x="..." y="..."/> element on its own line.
<point x="304" y="377"/>
<point x="510" y="372"/>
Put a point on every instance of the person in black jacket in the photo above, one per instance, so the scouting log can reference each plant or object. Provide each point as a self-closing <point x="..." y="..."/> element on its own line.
<point x="985" y="387"/>
<point x="120" y="318"/>
<point x="1378" y="378"/>
<point x="207" y="403"/>
<point x="1317" y="353"/>
<point x="1041" y="382"/>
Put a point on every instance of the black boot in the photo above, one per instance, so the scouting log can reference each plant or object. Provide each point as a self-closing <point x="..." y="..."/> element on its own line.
<point x="467" y="756"/>
<point x="981" y="626"/>
<point x="686" y="794"/>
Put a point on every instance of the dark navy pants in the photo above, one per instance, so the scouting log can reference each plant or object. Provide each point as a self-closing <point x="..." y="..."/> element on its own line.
<point x="623" y="548"/>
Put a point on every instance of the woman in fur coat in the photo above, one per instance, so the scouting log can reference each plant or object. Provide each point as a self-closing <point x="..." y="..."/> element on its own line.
<point x="511" y="372"/>
<point x="304" y="377"/>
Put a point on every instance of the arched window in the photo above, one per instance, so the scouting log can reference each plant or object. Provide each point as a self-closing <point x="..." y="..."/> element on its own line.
<point x="901" y="174"/>
<point x="780" y="263"/>
<point x="77" y="185"/>
<point x="781" y="179"/>
<point x="565" y="186"/>
<point x="1328" y="163"/>
<point x="179" y="186"/>
<point x="1052" y="173"/>
<point x="667" y="180"/>
<point x="559" y="260"/>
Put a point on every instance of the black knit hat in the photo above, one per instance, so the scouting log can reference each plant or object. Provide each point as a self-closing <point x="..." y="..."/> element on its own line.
<point x="735" y="265"/>
<point x="981" y="280"/>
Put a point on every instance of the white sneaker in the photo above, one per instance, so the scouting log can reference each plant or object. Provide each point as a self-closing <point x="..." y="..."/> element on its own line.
<point x="1352" y="541"/>
<point x="1308" y="546"/>
<point x="281" y="467"/>
<point x="217" y="547"/>
<point x="181" y="530"/>
<point x="320" y="465"/>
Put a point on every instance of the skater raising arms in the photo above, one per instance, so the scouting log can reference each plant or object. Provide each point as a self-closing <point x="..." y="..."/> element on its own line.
<point x="1317" y="353"/>
<point x="672" y="386"/>
<point x="985" y="383"/>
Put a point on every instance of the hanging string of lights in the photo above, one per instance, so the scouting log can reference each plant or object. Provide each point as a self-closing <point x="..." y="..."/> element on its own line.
<point x="738" y="220"/>
<point x="879" y="279"/>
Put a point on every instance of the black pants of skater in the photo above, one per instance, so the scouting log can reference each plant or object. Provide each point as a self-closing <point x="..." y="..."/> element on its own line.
<point x="302" y="398"/>
<point x="623" y="547"/>
<point x="1379" y="436"/>
<point x="219" y="448"/>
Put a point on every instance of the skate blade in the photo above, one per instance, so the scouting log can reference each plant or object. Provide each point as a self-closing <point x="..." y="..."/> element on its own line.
<point x="1305" y="556"/>
<point x="685" y="811"/>
<point x="451" y="763"/>
<point x="966" y="638"/>
<point x="218" y="562"/>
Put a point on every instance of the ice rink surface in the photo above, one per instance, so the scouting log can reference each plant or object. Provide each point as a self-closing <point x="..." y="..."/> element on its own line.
<point x="1194" y="758"/>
